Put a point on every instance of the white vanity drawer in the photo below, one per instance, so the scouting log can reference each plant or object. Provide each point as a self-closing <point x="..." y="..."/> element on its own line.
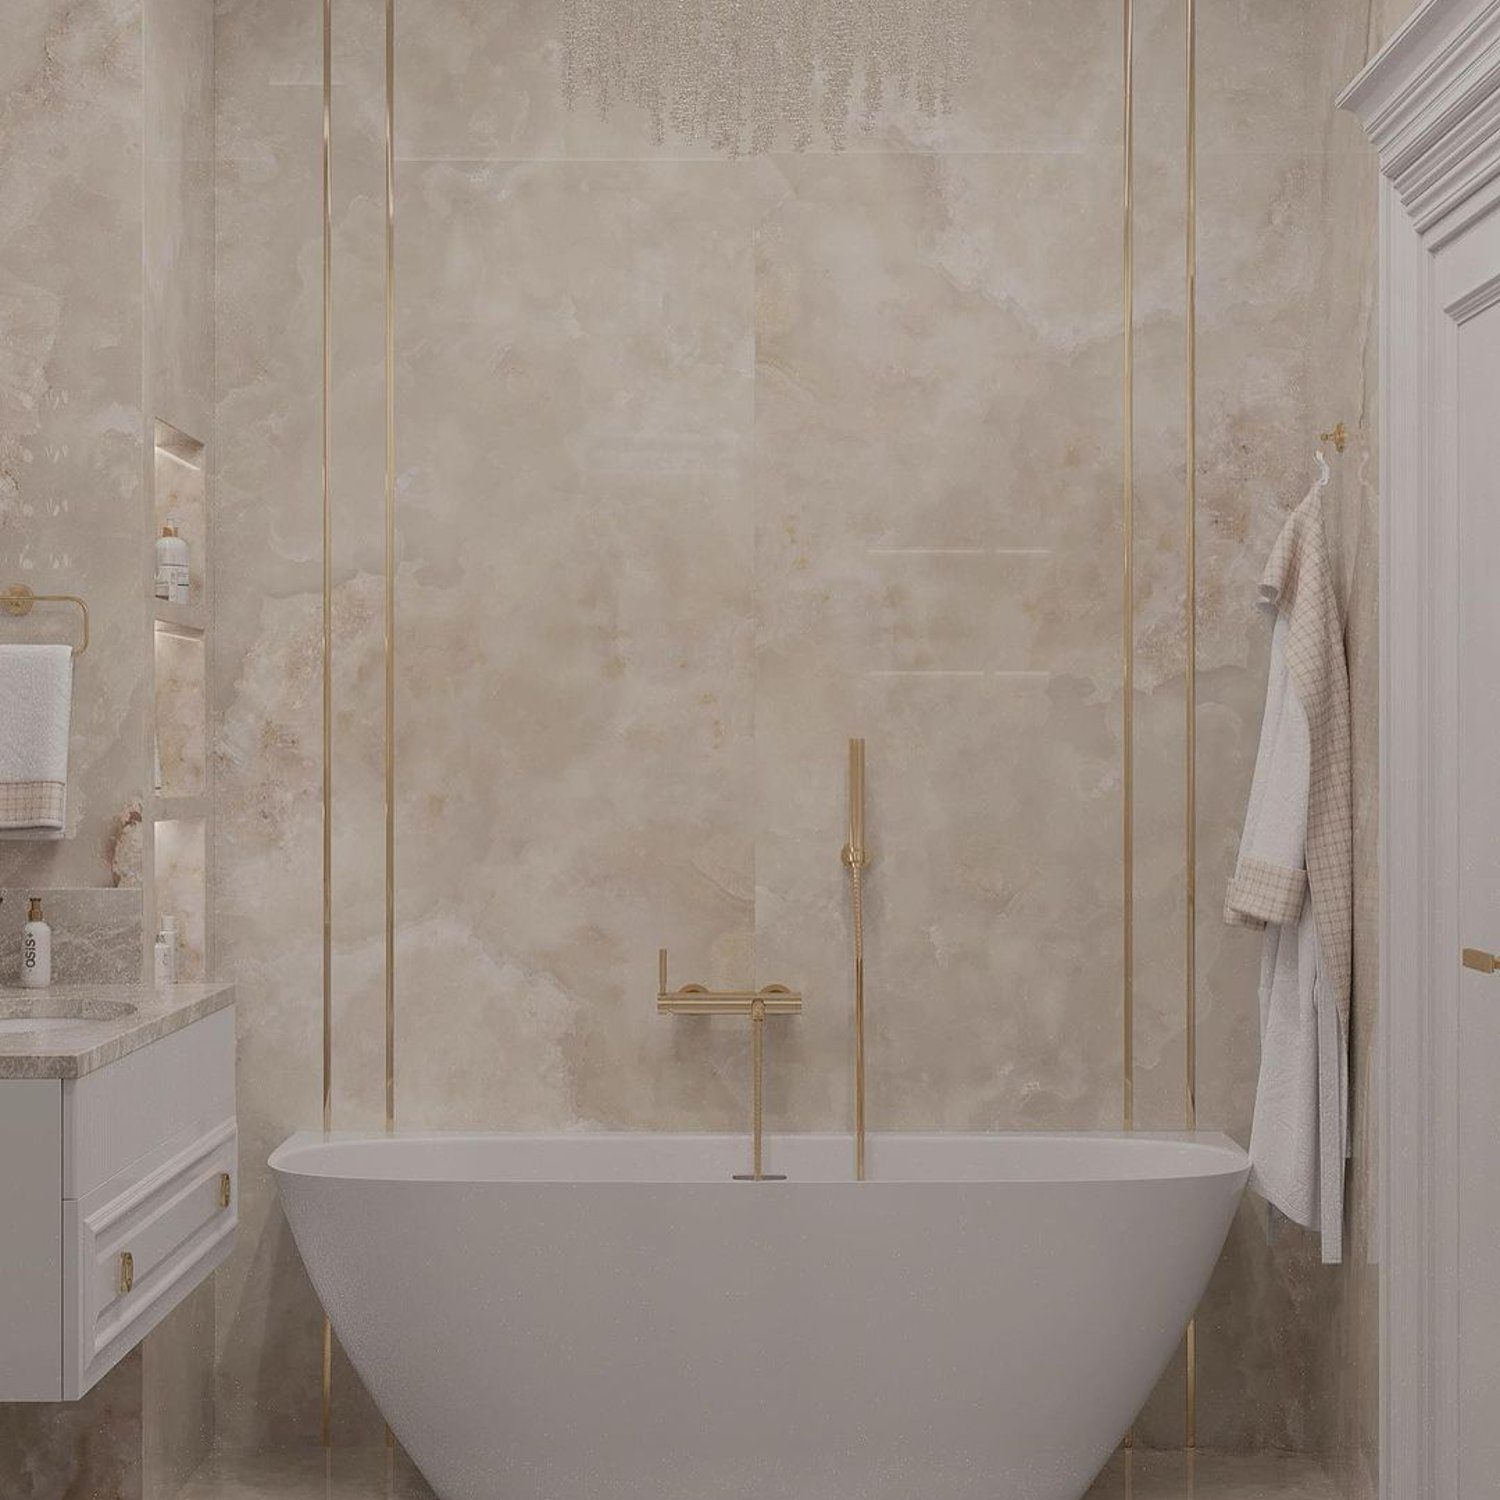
<point x="171" y="1091"/>
<point x="165" y="1212"/>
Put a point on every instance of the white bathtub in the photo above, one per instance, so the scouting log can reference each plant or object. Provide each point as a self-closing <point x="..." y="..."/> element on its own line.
<point x="610" y="1317"/>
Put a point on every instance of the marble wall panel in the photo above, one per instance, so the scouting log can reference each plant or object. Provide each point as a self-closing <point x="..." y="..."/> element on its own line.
<point x="96" y="933"/>
<point x="71" y="399"/>
<point x="78" y="1450"/>
<point x="71" y="522"/>
<point x="106" y="211"/>
<point x="706" y="463"/>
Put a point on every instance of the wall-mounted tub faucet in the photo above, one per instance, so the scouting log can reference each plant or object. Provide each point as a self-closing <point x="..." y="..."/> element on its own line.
<point x="856" y="857"/>
<point x="773" y="1000"/>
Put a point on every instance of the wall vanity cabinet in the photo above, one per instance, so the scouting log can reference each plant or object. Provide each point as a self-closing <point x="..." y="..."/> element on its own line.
<point x="118" y="1172"/>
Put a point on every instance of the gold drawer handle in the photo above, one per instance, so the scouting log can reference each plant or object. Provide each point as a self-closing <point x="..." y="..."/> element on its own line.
<point x="127" y="1271"/>
<point x="224" y="1190"/>
<point x="1478" y="959"/>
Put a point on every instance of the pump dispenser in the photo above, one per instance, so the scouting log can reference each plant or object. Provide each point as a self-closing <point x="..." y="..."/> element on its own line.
<point x="36" y="948"/>
<point x="171" y="566"/>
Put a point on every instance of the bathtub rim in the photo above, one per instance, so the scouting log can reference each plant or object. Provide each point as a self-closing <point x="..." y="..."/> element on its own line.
<point x="1210" y="1155"/>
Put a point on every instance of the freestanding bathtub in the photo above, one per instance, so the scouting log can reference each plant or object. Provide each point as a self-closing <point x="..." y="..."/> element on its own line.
<point x="611" y="1317"/>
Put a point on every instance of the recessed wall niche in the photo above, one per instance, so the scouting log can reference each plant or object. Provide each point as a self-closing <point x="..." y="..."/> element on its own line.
<point x="181" y="884"/>
<point x="181" y="500"/>
<point x="181" y="728"/>
<point x="180" y="810"/>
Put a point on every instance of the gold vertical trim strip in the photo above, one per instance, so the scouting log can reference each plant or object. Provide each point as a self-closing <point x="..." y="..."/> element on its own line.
<point x="327" y="566"/>
<point x="1127" y="508"/>
<point x="1190" y="710"/>
<point x="1190" y="724"/>
<point x="326" y="1425"/>
<point x="390" y="564"/>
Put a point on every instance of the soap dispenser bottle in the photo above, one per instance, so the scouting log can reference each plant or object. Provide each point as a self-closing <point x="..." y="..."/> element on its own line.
<point x="171" y="566"/>
<point x="36" y="948"/>
<point x="166" y="951"/>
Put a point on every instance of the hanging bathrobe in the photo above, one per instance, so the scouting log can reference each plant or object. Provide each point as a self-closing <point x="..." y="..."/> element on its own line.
<point x="1294" y="878"/>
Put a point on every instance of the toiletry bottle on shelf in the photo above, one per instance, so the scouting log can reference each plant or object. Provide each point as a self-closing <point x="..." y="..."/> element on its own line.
<point x="171" y="566"/>
<point x="36" y="948"/>
<point x="166" y="951"/>
<point x="169" y="931"/>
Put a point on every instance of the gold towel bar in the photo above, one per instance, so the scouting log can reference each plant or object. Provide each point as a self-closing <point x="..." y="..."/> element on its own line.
<point x="18" y="600"/>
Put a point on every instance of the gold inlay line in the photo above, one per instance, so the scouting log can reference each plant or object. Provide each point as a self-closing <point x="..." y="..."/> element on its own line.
<point x="1190" y="723"/>
<point x="1127" y="517"/>
<point x="326" y="1425"/>
<point x="327" y="567"/>
<point x="390" y="564"/>
<point x="1190" y="607"/>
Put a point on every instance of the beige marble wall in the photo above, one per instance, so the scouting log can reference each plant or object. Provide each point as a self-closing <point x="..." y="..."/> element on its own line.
<point x="78" y="1450"/>
<point x="707" y="463"/>
<point x="177" y="1395"/>
<point x="178" y="338"/>
<point x="70" y="510"/>
<point x="71" y="399"/>
<point x="106" y="264"/>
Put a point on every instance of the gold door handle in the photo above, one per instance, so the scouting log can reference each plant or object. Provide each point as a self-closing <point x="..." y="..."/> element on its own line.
<point x="224" y="1189"/>
<point x="1480" y="960"/>
<point x="127" y="1271"/>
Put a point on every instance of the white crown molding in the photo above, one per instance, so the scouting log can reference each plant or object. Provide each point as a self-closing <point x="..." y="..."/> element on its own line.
<point x="1430" y="103"/>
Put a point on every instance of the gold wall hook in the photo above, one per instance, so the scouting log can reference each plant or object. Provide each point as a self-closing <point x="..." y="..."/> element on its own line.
<point x="1338" y="436"/>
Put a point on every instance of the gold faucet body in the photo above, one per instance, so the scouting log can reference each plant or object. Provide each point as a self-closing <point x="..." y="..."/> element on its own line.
<point x="772" y="1000"/>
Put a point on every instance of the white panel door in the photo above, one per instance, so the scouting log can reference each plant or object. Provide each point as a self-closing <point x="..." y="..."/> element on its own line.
<point x="1475" y="351"/>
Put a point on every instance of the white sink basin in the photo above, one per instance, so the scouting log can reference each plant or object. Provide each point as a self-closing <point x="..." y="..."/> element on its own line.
<point x="51" y="1013"/>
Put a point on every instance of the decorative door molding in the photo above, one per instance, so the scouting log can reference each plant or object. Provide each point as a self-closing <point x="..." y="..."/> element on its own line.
<point x="1430" y="103"/>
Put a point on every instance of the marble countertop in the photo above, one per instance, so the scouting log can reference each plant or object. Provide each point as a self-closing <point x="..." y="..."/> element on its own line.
<point x="80" y="1027"/>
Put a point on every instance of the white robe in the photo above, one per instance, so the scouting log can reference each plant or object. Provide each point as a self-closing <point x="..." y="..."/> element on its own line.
<point x="1300" y="1138"/>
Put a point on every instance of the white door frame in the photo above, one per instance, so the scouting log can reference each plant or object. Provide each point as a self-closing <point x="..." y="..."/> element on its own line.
<point x="1430" y="103"/>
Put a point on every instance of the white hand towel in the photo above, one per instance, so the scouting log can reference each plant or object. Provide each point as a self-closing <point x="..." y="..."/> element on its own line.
<point x="36" y="704"/>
